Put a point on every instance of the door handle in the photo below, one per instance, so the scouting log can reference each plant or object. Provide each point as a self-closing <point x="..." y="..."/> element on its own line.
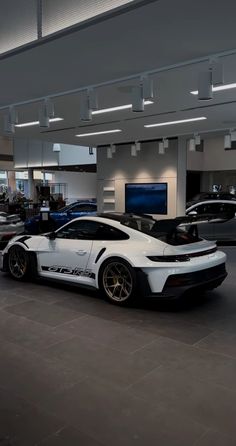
<point x="81" y="252"/>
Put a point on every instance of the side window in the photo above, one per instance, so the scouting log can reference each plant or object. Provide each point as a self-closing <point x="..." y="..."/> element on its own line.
<point x="106" y="232"/>
<point x="200" y="209"/>
<point x="229" y="209"/>
<point x="78" y="230"/>
<point x="90" y="230"/>
<point x="88" y="208"/>
<point x="84" y="208"/>
<point x="208" y="208"/>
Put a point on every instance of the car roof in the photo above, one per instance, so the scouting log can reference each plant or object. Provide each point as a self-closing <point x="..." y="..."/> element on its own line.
<point x="203" y="196"/>
<point x="210" y="201"/>
<point x="122" y="216"/>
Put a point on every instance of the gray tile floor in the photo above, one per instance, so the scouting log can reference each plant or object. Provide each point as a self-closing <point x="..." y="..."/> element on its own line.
<point x="75" y="370"/>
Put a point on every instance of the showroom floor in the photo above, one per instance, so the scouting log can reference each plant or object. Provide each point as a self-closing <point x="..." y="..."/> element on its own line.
<point x="76" y="370"/>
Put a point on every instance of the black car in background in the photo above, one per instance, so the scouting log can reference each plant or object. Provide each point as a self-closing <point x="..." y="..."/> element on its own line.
<point x="222" y="231"/>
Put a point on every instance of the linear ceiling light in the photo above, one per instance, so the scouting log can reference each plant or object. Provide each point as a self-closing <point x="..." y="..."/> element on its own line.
<point x="218" y="88"/>
<point x="181" y="121"/>
<point x="114" y="109"/>
<point x="81" y="135"/>
<point x="32" y="123"/>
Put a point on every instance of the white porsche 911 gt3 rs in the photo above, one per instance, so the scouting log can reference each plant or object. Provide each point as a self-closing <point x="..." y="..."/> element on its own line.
<point x="122" y="255"/>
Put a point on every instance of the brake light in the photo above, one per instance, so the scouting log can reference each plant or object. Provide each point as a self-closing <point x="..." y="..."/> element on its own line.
<point x="177" y="258"/>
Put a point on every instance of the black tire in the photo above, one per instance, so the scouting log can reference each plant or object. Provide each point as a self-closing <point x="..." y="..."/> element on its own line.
<point x="117" y="281"/>
<point x="18" y="263"/>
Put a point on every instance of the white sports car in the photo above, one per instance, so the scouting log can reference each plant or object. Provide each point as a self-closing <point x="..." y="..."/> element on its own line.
<point x="10" y="225"/>
<point x="121" y="255"/>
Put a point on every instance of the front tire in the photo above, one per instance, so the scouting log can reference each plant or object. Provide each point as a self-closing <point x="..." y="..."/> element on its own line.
<point x="117" y="281"/>
<point x="18" y="263"/>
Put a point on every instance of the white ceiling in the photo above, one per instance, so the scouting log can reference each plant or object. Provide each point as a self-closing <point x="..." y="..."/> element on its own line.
<point x="156" y="35"/>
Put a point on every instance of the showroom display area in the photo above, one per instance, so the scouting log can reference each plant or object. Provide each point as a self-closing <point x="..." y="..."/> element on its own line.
<point x="148" y="166"/>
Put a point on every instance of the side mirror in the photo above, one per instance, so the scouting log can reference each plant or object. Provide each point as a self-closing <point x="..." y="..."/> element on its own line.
<point x="192" y="213"/>
<point x="52" y="235"/>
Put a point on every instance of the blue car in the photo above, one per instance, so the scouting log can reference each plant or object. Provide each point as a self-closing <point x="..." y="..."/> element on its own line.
<point x="58" y="218"/>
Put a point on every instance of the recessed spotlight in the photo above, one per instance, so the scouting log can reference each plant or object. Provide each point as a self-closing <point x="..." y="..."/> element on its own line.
<point x="180" y="121"/>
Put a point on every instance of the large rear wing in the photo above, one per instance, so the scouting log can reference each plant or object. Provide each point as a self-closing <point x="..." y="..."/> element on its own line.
<point x="169" y="226"/>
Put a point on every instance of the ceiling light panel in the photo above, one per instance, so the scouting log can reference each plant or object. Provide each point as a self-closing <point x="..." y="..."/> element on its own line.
<point x="32" y="123"/>
<point x="118" y="108"/>
<point x="180" y="121"/>
<point x="105" y="132"/>
<point x="60" y="14"/>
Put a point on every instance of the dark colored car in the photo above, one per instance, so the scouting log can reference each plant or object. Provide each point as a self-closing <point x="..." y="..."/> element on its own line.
<point x="58" y="218"/>
<point x="222" y="231"/>
<point x="210" y="196"/>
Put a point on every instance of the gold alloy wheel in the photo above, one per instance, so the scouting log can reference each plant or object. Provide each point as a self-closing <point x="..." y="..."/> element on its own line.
<point x="117" y="281"/>
<point x="17" y="262"/>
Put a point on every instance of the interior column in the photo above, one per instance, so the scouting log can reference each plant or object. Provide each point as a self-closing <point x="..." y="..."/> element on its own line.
<point x="181" y="176"/>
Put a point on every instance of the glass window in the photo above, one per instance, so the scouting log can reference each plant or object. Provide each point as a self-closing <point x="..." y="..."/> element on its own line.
<point x="84" y="208"/>
<point x="215" y="208"/>
<point x="90" y="230"/>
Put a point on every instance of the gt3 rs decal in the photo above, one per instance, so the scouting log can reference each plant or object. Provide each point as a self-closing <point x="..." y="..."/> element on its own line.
<point x="69" y="271"/>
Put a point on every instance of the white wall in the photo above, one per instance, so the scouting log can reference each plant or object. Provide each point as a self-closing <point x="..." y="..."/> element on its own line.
<point x="147" y="167"/>
<point x="218" y="166"/>
<point x="79" y="185"/>
<point x="195" y="160"/>
<point x="72" y="155"/>
<point x="213" y="158"/>
<point x="216" y="158"/>
<point x="34" y="153"/>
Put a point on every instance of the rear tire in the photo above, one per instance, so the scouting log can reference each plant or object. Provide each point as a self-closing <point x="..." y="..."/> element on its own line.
<point x="117" y="281"/>
<point x="18" y="263"/>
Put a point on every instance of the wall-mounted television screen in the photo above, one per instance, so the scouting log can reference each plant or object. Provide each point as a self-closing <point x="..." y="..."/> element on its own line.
<point x="146" y="198"/>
